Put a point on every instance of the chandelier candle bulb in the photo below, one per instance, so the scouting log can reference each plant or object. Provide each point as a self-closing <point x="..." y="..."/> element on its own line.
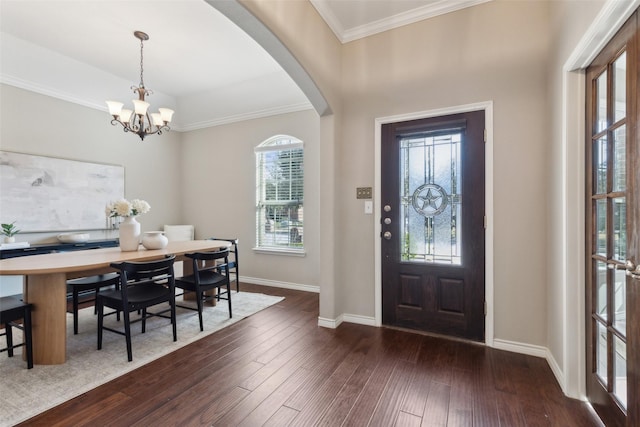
<point x="157" y="119"/>
<point x="115" y="108"/>
<point x="125" y="115"/>
<point x="140" y="106"/>
<point x="166" y="114"/>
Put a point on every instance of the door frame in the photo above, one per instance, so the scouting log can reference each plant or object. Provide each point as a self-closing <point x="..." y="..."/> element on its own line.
<point x="572" y="375"/>
<point x="487" y="106"/>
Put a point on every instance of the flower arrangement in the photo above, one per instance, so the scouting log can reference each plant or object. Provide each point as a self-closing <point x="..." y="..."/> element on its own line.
<point x="125" y="208"/>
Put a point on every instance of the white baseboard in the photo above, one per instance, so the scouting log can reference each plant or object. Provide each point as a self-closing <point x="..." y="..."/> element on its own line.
<point x="537" y="351"/>
<point x="360" y="320"/>
<point x="349" y="318"/>
<point x="279" y="284"/>
<point x="329" y="323"/>
<point x="557" y="372"/>
<point x="522" y="348"/>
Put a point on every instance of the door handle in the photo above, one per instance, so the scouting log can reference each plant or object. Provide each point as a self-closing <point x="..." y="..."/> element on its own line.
<point x="633" y="270"/>
<point x="387" y="235"/>
<point x="628" y="266"/>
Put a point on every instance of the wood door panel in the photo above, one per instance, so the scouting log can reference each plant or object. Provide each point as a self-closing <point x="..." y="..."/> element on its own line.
<point x="433" y="259"/>
<point x="451" y="296"/>
<point x="411" y="292"/>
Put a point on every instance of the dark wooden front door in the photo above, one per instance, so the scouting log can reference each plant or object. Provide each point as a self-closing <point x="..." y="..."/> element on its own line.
<point x="433" y="244"/>
<point x="613" y="229"/>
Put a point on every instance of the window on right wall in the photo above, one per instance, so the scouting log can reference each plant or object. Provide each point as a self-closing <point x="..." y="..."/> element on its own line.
<point x="280" y="194"/>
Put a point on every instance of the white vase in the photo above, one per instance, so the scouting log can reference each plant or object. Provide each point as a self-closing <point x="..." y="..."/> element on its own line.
<point x="154" y="240"/>
<point x="8" y="239"/>
<point x="129" y="233"/>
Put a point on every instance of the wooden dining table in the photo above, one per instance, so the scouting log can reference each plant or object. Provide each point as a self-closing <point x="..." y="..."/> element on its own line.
<point x="46" y="275"/>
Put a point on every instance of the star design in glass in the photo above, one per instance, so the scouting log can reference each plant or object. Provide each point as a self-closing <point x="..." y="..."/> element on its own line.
<point x="430" y="199"/>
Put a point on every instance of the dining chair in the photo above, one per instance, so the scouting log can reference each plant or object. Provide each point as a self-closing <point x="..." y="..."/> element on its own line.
<point x="210" y="271"/>
<point x="233" y="260"/>
<point x="12" y="309"/>
<point x="142" y="285"/>
<point x="89" y="287"/>
<point x="179" y="233"/>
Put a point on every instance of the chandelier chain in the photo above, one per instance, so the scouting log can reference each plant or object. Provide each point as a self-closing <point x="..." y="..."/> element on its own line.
<point x="141" y="63"/>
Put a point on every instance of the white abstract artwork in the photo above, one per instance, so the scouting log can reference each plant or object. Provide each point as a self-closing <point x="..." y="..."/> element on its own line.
<point x="48" y="194"/>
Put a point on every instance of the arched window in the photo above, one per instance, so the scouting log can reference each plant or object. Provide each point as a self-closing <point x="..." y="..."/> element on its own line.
<point x="280" y="194"/>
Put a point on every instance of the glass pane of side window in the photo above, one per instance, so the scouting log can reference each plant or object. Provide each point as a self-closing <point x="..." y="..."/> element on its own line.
<point x="600" y="165"/>
<point x="620" y="159"/>
<point x="601" y="113"/>
<point x="601" y="352"/>
<point x="620" y="301"/>
<point x="620" y="87"/>
<point x="601" y="227"/>
<point x="601" y="288"/>
<point x="619" y="228"/>
<point x="620" y="370"/>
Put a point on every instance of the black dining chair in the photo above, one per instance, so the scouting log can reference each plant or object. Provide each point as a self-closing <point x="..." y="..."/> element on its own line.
<point x="12" y="309"/>
<point x="89" y="288"/>
<point x="142" y="285"/>
<point x="210" y="271"/>
<point x="233" y="260"/>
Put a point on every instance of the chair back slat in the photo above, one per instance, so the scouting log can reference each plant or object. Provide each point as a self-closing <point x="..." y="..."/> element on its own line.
<point x="133" y="274"/>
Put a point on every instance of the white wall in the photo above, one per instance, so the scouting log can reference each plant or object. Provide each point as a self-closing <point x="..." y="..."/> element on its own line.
<point x="219" y="192"/>
<point x="38" y="124"/>
<point x="492" y="52"/>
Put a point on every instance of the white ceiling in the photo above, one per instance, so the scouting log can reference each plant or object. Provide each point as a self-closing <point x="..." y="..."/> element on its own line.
<point x="195" y="61"/>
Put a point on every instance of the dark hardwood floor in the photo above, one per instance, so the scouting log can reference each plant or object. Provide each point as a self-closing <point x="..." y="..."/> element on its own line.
<point x="278" y="368"/>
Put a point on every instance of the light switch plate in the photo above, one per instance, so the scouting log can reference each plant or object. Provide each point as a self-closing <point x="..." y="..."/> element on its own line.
<point x="368" y="206"/>
<point x="363" y="193"/>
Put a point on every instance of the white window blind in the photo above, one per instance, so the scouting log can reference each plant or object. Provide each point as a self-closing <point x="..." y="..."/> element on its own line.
<point x="280" y="194"/>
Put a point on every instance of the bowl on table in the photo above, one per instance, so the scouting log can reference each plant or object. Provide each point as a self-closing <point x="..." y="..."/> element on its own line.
<point x="73" y="237"/>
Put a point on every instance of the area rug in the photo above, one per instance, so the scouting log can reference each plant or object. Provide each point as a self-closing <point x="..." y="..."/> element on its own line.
<point x="25" y="393"/>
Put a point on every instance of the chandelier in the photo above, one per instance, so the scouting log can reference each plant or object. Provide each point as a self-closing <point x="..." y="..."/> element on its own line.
<point x="139" y="121"/>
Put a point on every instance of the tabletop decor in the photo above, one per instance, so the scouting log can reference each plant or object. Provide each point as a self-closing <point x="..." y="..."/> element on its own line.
<point x="73" y="237"/>
<point x="154" y="240"/>
<point x="9" y="231"/>
<point x="129" y="229"/>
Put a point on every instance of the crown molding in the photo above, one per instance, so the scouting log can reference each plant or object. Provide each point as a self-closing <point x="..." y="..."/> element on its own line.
<point x="425" y="12"/>
<point x="293" y="108"/>
<point x="48" y="91"/>
<point x="329" y="17"/>
<point x="52" y="92"/>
